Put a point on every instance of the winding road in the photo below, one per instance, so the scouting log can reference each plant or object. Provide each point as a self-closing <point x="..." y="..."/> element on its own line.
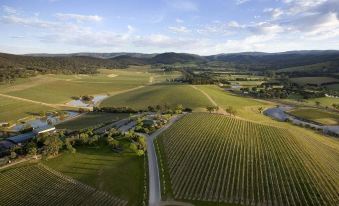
<point x="154" y="178"/>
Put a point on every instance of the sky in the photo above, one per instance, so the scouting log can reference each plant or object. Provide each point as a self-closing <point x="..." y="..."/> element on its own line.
<point x="202" y="27"/>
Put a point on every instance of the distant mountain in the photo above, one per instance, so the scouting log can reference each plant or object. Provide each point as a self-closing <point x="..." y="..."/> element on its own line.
<point x="96" y="55"/>
<point x="131" y="60"/>
<point x="171" y="58"/>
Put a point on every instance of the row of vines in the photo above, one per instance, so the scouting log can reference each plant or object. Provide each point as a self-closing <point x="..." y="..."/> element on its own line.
<point x="226" y="160"/>
<point x="39" y="185"/>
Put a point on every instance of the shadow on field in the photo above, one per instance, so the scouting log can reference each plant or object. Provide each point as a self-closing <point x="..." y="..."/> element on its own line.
<point x="83" y="168"/>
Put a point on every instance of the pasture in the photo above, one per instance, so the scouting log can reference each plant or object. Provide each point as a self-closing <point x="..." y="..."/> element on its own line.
<point x="317" y="115"/>
<point x="227" y="160"/>
<point x="58" y="89"/>
<point x="120" y="175"/>
<point x="334" y="87"/>
<point x="39" y="185"/>
<point x="246" y="107"/>
<point x="313" y="80"/>
<point x="91" y="119"/>
<point x="11" y="109"/>
<point x="172" y="94"/>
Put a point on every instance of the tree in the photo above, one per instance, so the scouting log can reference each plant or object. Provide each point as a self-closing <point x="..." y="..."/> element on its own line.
<point x="69" y="146"/>
<point x="84" y="138"/>
<point x="158" y="107"/>
<point x="260" y="109"/>
<point x="52" y="145"/>
<point x="230" y="110"/>
<point x="317" y="103"/>
<point x="31" y="149"/>
<point x="179" y="108"/>
<point x="210" y="109"/>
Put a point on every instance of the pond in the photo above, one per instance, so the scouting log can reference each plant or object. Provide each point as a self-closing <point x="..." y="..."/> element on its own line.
<point x="279" y="113"/>
<point x="80" y="103"/>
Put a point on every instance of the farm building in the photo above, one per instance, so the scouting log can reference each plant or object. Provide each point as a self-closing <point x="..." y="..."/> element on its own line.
<point x="10" y="142"/>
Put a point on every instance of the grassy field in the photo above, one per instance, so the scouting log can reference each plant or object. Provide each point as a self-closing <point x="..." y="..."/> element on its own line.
<point x="60" y="88"/>
<point x="14" y="109"/>
<point x="91" y="119"/>
<point x="39" y="185"/>
<point x="227" y="160"/>
<point x="159" y="94"/>
<point x="120" y="175"/>
<point x="324" y="101"/>
<point x="313" y="80"/>
<point x="317" y="115"/>
<point x="246" y="107"/>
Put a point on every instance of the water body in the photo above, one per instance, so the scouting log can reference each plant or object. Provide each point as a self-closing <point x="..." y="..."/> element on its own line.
<point x="279" y="113"/>
<point x="80" y="103"/>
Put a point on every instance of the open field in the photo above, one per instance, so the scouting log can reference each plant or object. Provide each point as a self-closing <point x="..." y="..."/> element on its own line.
<point x="324" y="101"/>
<point x="39" y="185"/>
<point x="226" y="160"/>
<point x="91" y="119"/>
<point x="11" y="109"/>
<point x="246" y="107"/>
<point x="60" y="88"/>
<point x="120" y="175"/>
<point x="159" y="94"/>
<point x="317" y="115"/>
<point x="313" y="80"/>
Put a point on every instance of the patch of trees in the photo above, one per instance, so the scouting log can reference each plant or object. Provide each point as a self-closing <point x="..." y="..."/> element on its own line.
<point x="18" y="66"/>
<point x="164" y="109"/>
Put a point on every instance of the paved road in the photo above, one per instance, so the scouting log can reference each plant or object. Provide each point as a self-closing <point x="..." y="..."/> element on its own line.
<point x="154" y="179"/>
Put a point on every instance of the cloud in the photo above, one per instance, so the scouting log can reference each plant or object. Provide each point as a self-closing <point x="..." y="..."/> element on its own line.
<point x="79" y="17"/>
<point x="179" y="29"/>
<point x="9" y="10"/>
<point x="179" y="21"/>
<point x="274" y="12"/>
<point x="239" y="2"/>
<point x="183" y="5"/>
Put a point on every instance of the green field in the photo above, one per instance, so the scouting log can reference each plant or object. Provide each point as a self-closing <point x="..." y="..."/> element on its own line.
<point x="313" y="80"/>
<point x="120" y="175"/>
<point x="246" y="107"/>
<point x="91" y="119"/>
<point x="317" y="115"/>
<point x="324" y="101"/>
<point x="159" y="94"/>
<point x="60" y="88"/>
<point x="11" y="109"/>
<point x="227" y="160"/>
<point x="39" y="185"/>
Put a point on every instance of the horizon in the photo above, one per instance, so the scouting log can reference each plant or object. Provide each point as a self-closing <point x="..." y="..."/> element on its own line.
<point x="188" y="26"/>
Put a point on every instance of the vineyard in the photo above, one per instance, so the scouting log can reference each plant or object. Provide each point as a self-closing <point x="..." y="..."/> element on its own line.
<point x="226" y="160"/>
<point x="39" y="185"/>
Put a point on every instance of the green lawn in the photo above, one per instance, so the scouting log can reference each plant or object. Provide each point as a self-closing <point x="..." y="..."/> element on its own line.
<point x="11" y="110"/>
<point x="118" y="174"/>
<point x="317" y="115"/>
<point x="91" y="119"/>
<point x="159" y="94"/>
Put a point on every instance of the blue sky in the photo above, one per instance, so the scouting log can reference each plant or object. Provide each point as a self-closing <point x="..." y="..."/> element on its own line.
<point x="152" y="26"/>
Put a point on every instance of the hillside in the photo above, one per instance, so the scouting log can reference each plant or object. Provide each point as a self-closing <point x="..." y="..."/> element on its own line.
<point x="227" y="160"/>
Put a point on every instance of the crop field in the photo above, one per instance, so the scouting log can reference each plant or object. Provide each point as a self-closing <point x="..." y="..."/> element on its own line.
<point x="219" y="159"/>
<point x="39" y="185"/>
<point x="159" y="94"/>
<point x="60" y="88"/>
<point x="11" y="109"/>
<point x="91" y="120"/>
<point x="120" y="175"/>
<point x="317" y="115"/>
<point x="313" y="80"/>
